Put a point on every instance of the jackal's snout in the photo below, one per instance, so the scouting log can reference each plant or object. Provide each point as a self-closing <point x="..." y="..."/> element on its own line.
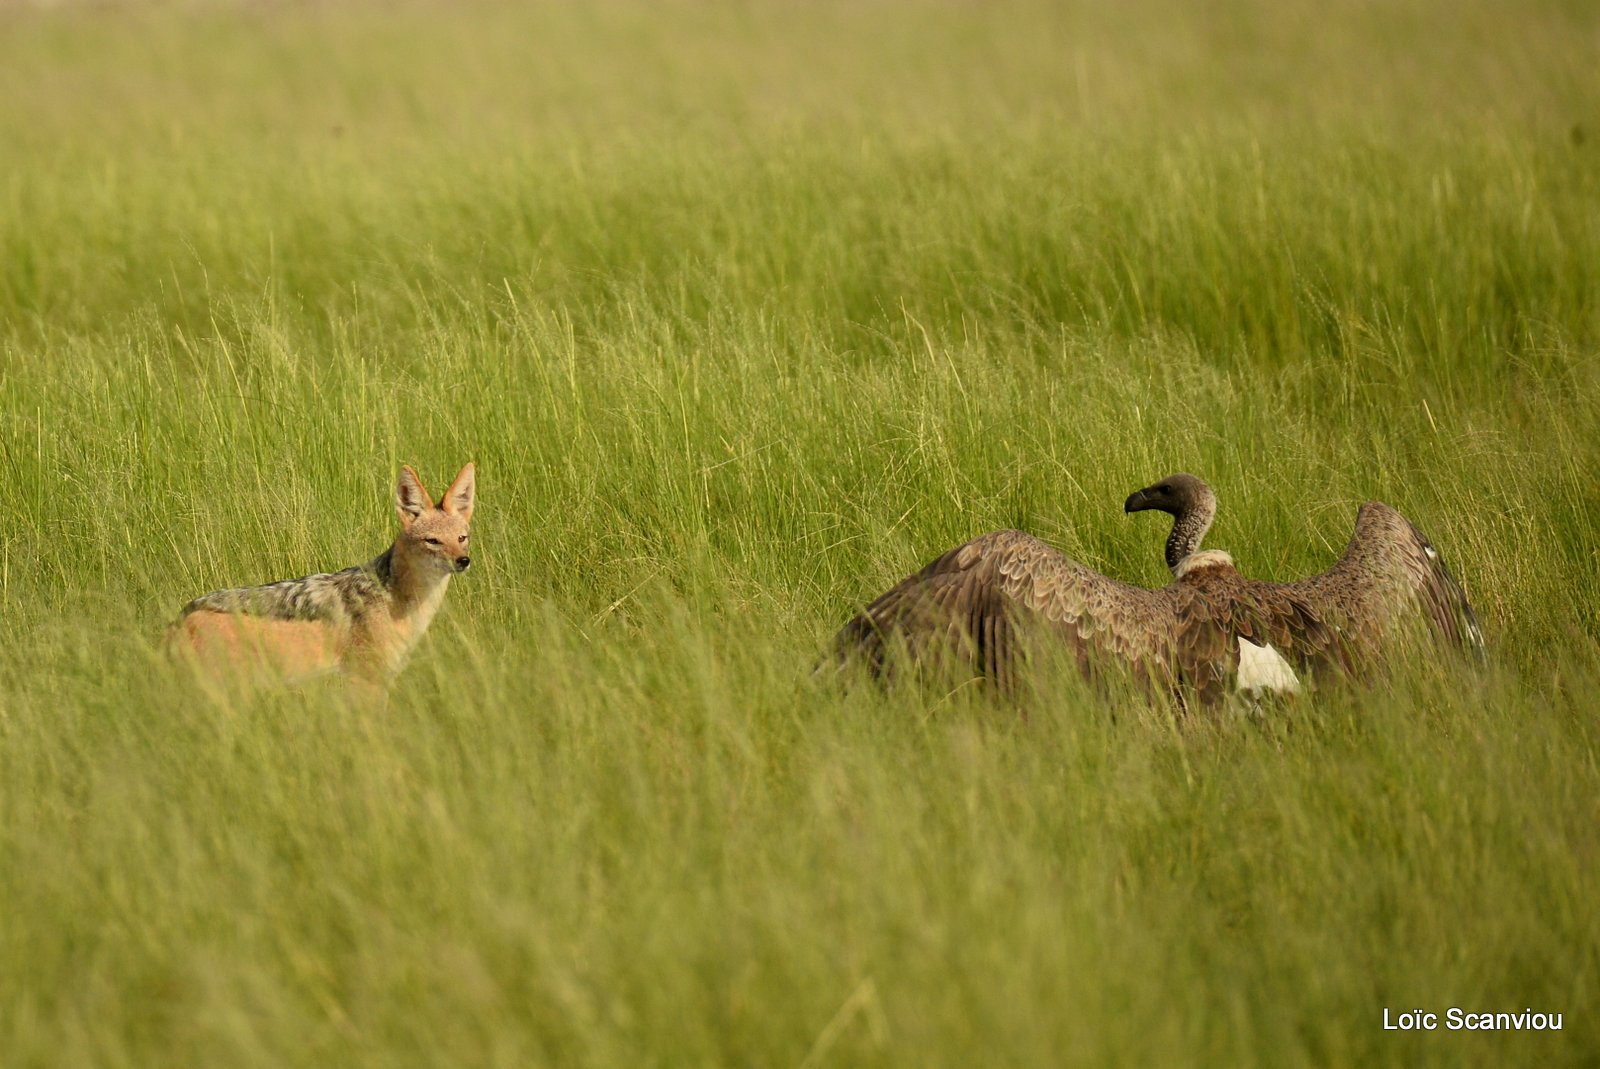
<point x="461" y="564"/>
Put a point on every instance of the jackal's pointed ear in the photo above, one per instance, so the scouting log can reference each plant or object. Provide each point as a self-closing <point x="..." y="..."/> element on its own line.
<point x="458" y="499"/>
<point x="410" y="499"/>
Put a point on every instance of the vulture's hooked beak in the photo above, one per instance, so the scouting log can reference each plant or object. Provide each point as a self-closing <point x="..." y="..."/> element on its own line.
<point x="1137" y="501"/>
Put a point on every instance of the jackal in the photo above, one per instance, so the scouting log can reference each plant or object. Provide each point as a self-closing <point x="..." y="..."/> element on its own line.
<point x="364" y="620"/>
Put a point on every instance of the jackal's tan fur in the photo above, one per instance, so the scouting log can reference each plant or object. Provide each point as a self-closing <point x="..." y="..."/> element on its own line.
<point x="364" y="620"/>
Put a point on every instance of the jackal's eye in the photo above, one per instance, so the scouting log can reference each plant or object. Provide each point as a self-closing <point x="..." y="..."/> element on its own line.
<point x="462" y="539"/>
<point x="433" y="541"/>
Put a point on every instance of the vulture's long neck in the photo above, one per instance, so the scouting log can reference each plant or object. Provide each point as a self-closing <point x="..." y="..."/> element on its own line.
<point x="1189" y="527"/>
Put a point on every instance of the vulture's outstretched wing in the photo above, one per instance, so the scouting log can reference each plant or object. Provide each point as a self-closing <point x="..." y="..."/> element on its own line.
<point x="1389" y="576"/>
<point x="979" y="600"/>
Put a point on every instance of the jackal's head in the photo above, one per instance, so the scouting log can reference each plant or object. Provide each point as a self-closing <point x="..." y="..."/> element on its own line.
<point x="434" y="535"/>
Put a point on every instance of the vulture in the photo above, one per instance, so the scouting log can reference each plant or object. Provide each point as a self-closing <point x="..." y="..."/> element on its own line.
<point x="1208" y="633"/>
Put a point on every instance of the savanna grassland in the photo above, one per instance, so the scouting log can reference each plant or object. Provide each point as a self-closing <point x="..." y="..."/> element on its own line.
<point x="745" y="310"/>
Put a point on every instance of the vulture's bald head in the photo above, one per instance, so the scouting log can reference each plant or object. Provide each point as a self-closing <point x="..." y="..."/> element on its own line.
<point x="1191" y="504"/>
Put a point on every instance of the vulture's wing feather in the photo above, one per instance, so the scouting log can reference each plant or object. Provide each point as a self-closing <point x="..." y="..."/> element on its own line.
<point x="979" y="599"/>
<point x="1389" y="574"/>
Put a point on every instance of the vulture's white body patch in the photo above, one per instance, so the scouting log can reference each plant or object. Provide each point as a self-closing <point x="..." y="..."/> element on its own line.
<point x="1263" y="668"/>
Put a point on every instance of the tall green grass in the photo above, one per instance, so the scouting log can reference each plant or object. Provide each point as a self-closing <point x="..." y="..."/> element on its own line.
<point x="745" y="311"/>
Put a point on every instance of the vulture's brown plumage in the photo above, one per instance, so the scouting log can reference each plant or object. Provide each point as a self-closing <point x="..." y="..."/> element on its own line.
<point x="1209" y="631"/>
